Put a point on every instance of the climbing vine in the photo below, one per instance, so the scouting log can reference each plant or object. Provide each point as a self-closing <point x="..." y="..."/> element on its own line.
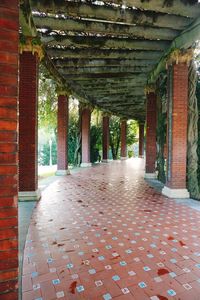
<point x="161" y="127"/>
<point x="192" y="140"/>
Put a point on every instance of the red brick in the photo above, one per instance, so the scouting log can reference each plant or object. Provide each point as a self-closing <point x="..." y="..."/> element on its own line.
<point x="8" y="102"/>
<point x="9" y="254"/>
<point x="8" y="202"/>
<point x="10" y="136"/>
<point x="62" y="116"/>
<point x="10" y="295"/>
<point x="8" y="275"/>
<point x="85" y="128"/>
<point x="8" y="233"/>
<point x="8" y="286"/>
<point x="151" y="133"/>
<point x="178" y="150"/>
<point x="123" y="138"/>
<point x="8" y="212"/>
<point x="141" y="139"/>
<point x="8" y="244"/>
<point x="28" y="99"/>
<point x="10" y="222"/>
<point x="105" y="136"/>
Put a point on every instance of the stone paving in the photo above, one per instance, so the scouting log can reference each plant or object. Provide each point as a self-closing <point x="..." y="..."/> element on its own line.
<point x="104" y="233"/>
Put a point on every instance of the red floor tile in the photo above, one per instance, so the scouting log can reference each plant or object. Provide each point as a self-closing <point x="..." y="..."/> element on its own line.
<point x="103" y="233"/>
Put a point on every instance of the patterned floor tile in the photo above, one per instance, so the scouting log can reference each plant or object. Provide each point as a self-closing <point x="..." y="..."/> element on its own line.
<point x="104" y="233"/>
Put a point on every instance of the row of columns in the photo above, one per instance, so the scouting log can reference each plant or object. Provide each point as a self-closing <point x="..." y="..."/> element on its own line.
<point x="28" y="130"/>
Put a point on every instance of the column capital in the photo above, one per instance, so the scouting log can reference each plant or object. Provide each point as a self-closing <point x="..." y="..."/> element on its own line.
<point x="123" y="119"/>
<point x="31" y="44"/>
<point x="177" y="56"/>
<point x="150" y="88"/>
<point x="106" y="114"/>
<point x="84" y="105"/>
<point x="62" y="91"/>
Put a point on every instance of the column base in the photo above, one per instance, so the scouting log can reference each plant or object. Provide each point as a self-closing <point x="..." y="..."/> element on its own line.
<point x="123" y="157"/>
<point x="29" y="196"/>
<point x="141" y="156"/>
<point x="175" y="193"/>
<point x="104" y="161"/>
<point x="62" y="172"/>
<point x="150" y="176"/>
<point x="86" y="165"/>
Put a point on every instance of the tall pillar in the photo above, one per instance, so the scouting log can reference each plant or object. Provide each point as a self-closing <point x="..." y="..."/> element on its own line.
<point x="123" y="139"/>
<point x="141" y="140"/>
<point x="28" y="126"/>
<point x="105" y="139"/>
<point x="85" y="134"/>
<point x="62" y="135"/>
<point x="9" y="40"/>
<point x="150" y="135"/>
<point x="177" y="131"/>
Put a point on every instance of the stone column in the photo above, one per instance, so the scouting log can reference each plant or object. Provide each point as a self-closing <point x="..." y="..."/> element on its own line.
<point x="28" y="126"/>
<point x="177" y="131"/>
<point x="150" y="135"/>
<point x="62" y="135"/>
<point x="123" y="139"/>
<point x="85" y="134"/>
<point x="9" y="41"/>
<point x="105" y="139"/>
<point x="141" y="140"/>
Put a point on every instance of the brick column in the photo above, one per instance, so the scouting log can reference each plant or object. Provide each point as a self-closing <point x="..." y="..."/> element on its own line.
<point x="150" y="135"/>
<point x="105" y="139"/>
<point x="123" y="139"/>
<point x="28" y="126"/>
<point x="177" y="132"/>
<point x="141" y="140"/>
<point x="85" y="134"/>
<point x="62" y="139"/>
<point x="9" y="40"/>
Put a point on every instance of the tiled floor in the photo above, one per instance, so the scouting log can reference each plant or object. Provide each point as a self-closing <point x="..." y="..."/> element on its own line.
<point x="103" y="233"/>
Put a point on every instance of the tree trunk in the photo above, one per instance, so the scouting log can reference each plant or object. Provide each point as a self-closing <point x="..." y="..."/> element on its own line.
<point x="192" y="140"/>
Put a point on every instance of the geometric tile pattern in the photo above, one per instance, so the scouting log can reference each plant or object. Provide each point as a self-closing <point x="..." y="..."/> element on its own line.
<point x="103" y="233"/>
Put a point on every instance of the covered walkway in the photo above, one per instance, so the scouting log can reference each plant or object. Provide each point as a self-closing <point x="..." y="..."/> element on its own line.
<point x="104" y="233"/>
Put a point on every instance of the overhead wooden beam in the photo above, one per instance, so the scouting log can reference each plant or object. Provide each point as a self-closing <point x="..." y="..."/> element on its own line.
<point x="113" y="14"/>
<point x="185" y="40"/>
<point x="120" y="91"/>
<point x="185" y="8"/>
<point x="76" y="63"/>
<point x="103" y="54"/>
<point x="72" y="25"/>
<point x="106" y="69"/>
<point x="80" y="42"/>
<point x="101" y="75"/>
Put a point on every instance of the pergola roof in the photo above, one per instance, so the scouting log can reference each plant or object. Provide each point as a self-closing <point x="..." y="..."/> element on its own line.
<point x="105" y="51"/>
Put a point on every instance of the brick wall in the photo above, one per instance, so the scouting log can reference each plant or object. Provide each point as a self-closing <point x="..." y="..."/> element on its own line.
<point x="28" y="129"/>
<point x="123" y="138"/>
<point x="105" y="138"/>
<point x="62" y="124"/>
<point x="85" y="126"/>
<point x="8" y="149"/>
<point x="179" y="127"/>
<point x="151" y="133"/>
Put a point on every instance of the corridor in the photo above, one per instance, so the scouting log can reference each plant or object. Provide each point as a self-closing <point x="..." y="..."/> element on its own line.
<point x="104" y="233"/>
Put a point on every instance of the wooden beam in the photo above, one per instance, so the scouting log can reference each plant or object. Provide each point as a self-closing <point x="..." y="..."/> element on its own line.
<point x="76" y="63"/>
<point x="185" y="8"/>
<point x="113" y="14"/>
<point x="83" y="77"/>
<point x="185" y="40"/>
<point x="98" y="70"/>
<point x="80" y="42"/>
<point x="117" y="30"/>
<point x="103" y="54"/>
